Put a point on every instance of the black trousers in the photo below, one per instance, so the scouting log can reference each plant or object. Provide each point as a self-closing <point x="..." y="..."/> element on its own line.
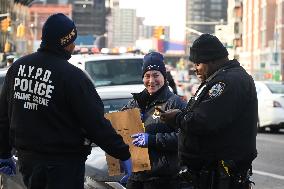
<point x="52" y="174"/>
<point x="156" y="184"/>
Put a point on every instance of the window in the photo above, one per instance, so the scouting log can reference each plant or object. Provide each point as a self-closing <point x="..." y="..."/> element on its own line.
<point x="216" y="7"/>
<point x="216" y="1"/>
<point x="263" y="38"/>
<point x="216" y="14"/>
<point x="114" y="105"/>
<point x="276" y="88"/>
<point x="115" y="72"/>
<point x="236" y="28"/>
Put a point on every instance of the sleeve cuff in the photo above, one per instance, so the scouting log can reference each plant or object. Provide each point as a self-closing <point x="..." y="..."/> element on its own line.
<point x="152" y="140"/>
<point x="177" y="119"/>
<point x="5" y="155"/>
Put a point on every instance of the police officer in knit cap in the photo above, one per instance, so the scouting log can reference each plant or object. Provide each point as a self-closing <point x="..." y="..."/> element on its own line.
<point x="217" y="139"/>
<point x="160" y="139"/>
<point x="50" y="112"/>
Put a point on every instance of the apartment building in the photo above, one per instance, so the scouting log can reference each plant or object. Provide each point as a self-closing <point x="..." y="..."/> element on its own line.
<point x="122" y="26"/>
<point x="202" y="16"/>
<point x="262" y="43"/>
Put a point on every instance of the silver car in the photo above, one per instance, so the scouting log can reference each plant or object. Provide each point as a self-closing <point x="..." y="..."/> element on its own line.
<point x="110" y="70"/>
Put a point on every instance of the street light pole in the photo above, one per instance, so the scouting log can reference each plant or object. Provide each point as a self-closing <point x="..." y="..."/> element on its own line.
<point x="193" y="31"/>
<point x="203" y="23"/>
<point x="190" y="30"/>
<point x="194" y="23"/>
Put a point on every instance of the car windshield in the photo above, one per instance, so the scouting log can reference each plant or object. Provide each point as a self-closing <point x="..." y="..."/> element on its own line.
<point x="115" y="72"/>
<point x="114" y="105"/>
<point x="276" y="88"/>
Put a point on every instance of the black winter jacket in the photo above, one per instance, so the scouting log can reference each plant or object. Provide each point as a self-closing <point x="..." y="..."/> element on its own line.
<point x="163" y="140"/>
<point x="49" y="107"/>
<point x="221" y="125"/>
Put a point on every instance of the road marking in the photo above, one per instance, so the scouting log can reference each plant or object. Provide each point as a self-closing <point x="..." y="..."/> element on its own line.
<point x="270" y="140"/>
<point x="268" y="174"/>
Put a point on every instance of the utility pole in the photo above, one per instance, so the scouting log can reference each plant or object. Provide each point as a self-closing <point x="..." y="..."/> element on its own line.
<point x="193" y="31"/>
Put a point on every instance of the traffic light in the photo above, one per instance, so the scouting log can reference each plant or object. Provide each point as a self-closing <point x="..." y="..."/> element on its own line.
<point x="159" y="32"/>
<point x="7" y="47"/>
<point x="20" y="30"/>
<point x="5" y="24"/>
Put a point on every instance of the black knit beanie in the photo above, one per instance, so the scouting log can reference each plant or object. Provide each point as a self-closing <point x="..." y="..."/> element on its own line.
<point x="59" y="31"/>
<point x="207" y="48"/>
<point x="154" y="61"/>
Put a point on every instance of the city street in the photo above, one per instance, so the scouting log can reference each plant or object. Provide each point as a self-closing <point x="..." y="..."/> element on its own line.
<point x="268" y="167"/>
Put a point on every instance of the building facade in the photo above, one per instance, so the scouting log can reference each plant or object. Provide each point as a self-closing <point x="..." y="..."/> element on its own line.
<point x="235" y="16"/>
<point x="262" y="50"/>
<point x="13" y="39"/>
<point x="5" y="7"/>
<point x="233" y="29"/>
<point x="202" y="16"/>
<point x="90" y="17"/>
<point x="39" y="14"/>
<point x="122" y="27"/>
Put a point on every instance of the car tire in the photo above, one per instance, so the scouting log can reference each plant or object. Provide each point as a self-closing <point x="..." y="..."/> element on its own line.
<point x="259" y="129"/>
<point x="274" y="129"/>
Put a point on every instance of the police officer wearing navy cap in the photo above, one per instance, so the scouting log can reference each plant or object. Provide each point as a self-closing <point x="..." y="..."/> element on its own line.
<point x="50" y="112"/>
<point x="217" y="140"/>
<point x="160" y="139"/>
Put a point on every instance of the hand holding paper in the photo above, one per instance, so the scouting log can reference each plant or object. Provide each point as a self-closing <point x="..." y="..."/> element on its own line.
<point x="140" y="140"/>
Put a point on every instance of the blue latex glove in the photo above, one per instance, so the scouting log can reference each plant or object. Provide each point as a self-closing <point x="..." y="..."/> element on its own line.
<point x="140" y="140"/>
<point x="127" y="167"/>
<point x="8" y="166"/>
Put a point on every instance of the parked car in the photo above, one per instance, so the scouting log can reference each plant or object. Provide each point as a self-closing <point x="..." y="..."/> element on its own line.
<point x="110" y="70"/>
<point x="270" y="105"/>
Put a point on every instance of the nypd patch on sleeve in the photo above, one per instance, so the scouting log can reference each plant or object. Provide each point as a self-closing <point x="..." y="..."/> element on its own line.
<point x="216" y="90"/>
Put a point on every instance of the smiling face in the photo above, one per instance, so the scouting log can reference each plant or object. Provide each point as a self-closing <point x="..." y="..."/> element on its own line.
<point x="153" y="80"/>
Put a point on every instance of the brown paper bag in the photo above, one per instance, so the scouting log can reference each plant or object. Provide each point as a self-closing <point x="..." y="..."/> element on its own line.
<point x="127" y="123"/>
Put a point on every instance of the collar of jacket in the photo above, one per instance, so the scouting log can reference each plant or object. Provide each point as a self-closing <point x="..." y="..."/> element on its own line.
<point x="57" y="51"/>
<point x="144" y="99"/>
<point x="230" y="64"/>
